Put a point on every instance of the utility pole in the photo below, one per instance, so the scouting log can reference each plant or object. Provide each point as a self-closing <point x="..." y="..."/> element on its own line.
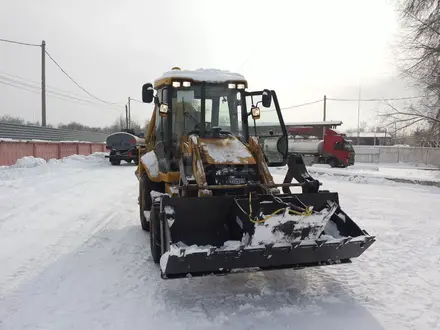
<point x="126" y="116"/>
<point x="324" y="115"/>
<point x="359" y="112"/>
<point x="129" y="112"/>
<point x="43" y="83"/>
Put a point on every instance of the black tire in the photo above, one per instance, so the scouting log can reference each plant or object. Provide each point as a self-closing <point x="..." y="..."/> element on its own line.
<point x="333" y="162"/>
<point x="144" y="201"/>
<point x="155" y="234"/>
<point x="115" y="162"/>
<point x="128" y="161"/>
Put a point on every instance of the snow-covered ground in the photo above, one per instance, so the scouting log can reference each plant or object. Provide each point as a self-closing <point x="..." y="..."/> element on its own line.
<point x="73" y="256"/>
<point x="388" y="171"/>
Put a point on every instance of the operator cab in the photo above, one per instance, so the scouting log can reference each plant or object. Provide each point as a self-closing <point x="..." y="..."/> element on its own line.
<point x="214" y="104"/>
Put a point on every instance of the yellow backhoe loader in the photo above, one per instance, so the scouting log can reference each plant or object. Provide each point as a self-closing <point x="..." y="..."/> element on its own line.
<point x="206" y="194"/>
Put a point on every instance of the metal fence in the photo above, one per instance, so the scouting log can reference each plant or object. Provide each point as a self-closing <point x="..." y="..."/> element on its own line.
<point x="385" y="154"/>
<point x="26" y="132"/>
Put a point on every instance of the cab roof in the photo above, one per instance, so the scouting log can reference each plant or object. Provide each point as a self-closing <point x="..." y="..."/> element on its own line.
<point x="198" y="76"/>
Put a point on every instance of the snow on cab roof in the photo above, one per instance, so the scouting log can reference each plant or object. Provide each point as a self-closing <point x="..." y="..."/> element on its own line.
<point x="199" y="75"/>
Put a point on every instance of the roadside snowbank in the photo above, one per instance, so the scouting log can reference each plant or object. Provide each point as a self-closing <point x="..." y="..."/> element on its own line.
<point x="381" y="175"/>
<point x="28" y="162"/>
<point x="395" y="171"/>
<point x="49" y="141"/>
<point x="29" y="166"/>
<point x="31" y="161"/>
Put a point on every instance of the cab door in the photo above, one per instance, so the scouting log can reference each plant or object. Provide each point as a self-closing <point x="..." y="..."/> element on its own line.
<point x="269" y="126"/>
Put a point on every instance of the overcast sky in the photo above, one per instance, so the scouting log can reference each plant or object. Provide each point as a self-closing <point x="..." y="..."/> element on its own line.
<point x="302" y="49"/>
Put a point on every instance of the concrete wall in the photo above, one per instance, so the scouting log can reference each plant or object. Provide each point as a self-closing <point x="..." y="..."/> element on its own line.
<point x="410" y="155"/>
<point x="12" y="150"/>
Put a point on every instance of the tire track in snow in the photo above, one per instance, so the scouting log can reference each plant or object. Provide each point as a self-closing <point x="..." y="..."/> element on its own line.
<point x="54" y="228"/>
<point x="108" y="280"/>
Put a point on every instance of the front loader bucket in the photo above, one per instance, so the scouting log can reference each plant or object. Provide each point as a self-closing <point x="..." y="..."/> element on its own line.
<point x="215" y="235"/>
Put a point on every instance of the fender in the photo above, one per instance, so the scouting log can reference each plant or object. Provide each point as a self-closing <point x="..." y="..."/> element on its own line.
<point x="150" y="165"/>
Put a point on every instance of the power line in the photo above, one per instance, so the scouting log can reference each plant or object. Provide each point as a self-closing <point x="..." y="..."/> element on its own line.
<point x="38" y="83"/>
<point x="73" y="80"/>
<point x="379" y="99"/>
<point x="29" y="90"/>
<point x="19" y="43"/>
<point x="58" y="96"/>
<point x="27" y="85"/>
<point x="85" y="97"/>
<point x="295" y="106"/>
<point x="301" y="105"/>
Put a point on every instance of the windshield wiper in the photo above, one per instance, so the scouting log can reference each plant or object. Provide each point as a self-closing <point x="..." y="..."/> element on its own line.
<point x="185" y="113"/>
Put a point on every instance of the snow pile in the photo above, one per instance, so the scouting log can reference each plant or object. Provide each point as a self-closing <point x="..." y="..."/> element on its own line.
<point x="29" y="162"/>
<point x="49" y="141"/>
<point x="208" y="75"/>
<point x="383" y="172"/>
<point x="179" y="248"/>
<point x="95" y="158"/>
<point x="170" y="213"/>
<point x="383" y="176"/>
<point x="150" y="160"/>
<point x="157" y="195"/>
<point x="32" y="162"/>
<point x="289" y="228"/>
<point x="228" y="150"/>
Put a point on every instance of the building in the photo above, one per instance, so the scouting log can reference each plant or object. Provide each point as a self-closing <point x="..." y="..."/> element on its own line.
<point x="300" y="128"/>
<point x="371" y="138"/>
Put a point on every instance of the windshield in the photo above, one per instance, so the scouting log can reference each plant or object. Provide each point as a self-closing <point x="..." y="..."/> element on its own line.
<point x="221" y="109"/>
<point x="348" y="146"/>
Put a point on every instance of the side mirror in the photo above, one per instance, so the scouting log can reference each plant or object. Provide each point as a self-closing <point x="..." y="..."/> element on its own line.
<point x="266" y="98"/>
<point x="163" y="110"/>
<point x="147" y="93"/>
<point x="255" y="111"/>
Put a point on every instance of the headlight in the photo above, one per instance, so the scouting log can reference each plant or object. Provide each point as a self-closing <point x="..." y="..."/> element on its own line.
<point x="255" y="112"/>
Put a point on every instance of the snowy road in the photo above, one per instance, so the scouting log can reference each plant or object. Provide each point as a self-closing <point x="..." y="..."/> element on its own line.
<point x="73" y="256"/>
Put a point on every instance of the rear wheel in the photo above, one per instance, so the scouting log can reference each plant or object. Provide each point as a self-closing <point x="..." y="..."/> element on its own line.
<point x="115" y="162"/>
<point x="155" y="234"/>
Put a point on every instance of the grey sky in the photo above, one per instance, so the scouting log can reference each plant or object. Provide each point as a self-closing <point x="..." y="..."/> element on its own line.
<point x="302" y="49"/>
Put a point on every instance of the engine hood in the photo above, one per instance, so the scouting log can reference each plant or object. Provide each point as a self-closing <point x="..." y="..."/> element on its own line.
<point x="228" y="150"/>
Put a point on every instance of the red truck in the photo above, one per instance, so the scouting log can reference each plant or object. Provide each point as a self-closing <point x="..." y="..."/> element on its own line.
<point x="334" y="149"/>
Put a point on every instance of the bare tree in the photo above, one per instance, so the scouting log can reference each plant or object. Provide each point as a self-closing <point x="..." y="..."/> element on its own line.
<point x="11" y="120"/>
<point x="421" y="46"/>
<point x="363" y="127"/>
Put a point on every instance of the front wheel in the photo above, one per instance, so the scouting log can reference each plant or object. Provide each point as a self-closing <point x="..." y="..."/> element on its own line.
<point x="144" y="201"/>
<point x="155" y="234"/>
<point x="333" y="162"/>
